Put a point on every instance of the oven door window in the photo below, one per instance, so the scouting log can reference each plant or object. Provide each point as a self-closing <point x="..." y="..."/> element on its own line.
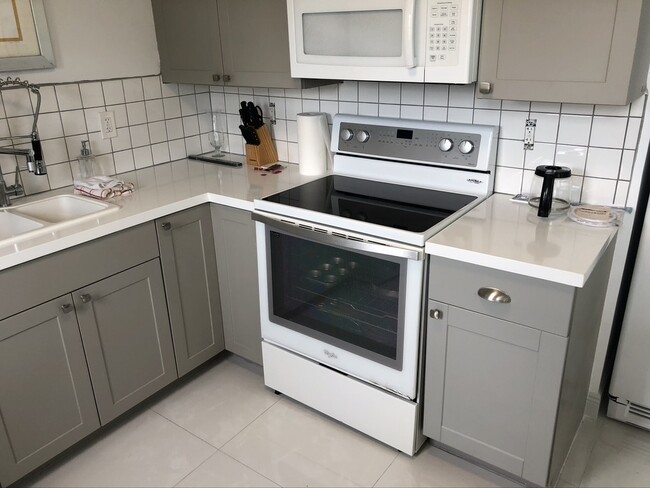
<point x="349" y="299"/>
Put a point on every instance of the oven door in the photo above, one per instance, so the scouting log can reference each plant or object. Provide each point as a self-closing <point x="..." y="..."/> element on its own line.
<point x="352" y="305"/>
<point x="357" y="39"/>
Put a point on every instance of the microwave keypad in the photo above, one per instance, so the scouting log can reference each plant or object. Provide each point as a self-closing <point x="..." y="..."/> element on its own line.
<point x="442" y="46"/>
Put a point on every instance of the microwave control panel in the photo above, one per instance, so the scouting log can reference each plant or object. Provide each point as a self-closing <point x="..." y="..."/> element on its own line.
<point x="443" y="32"/>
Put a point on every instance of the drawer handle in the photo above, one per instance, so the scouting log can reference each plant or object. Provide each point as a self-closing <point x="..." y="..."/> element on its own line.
<point x="166" y="225"/>
<point x="85" y="298"/>
<point x="493" y="295"/>
<point x="66" y="308"/>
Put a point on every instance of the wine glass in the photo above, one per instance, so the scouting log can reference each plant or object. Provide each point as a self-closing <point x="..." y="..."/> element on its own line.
<point x="217" y="136"/>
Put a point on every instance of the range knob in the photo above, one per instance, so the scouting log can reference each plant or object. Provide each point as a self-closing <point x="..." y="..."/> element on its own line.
<point x="466" y="147"/>
<point x="363" y="136"/>
<point x="445" y="144"/>
<point x="347" y="134"/>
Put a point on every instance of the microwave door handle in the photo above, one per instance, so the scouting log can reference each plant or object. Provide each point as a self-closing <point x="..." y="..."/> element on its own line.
<point x="408" y="40"/>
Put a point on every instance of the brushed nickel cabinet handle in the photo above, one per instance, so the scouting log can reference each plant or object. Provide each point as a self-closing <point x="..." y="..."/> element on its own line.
<point x="216" y="78"/>
<point x="435" y="314"/>
<point x="166" y="225"/>
<point x="485" y="87"/>
<point x="66" y="308"/>
<point x="85" y="298"/>
<point x="493" y="295"/>
<point x="226" y="78"/>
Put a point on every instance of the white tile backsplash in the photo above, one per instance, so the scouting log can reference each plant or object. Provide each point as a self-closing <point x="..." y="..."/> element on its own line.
<point x="389" y="93"/>
<point x="574" y="129"/>
<point x="608" y="131"/>
<point x="92" y="94"/>
<point x="167" y="121"/>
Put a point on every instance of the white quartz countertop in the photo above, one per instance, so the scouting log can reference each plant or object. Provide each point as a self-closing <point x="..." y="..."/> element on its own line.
<point x="509" y="236"/>
<point x="160" y="190"/>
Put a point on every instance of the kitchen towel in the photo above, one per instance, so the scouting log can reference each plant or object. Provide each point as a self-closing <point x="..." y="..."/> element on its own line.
<point x="102" y="187"/>
<point x="313" y="144"/>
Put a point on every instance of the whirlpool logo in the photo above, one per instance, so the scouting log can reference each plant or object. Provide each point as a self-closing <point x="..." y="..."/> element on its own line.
<point x="330" y="354"/>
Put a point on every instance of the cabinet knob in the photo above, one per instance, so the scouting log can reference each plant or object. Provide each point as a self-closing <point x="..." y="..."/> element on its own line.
<point x="66" y="308"/>
<point x="216" y="78"/>
<point x="85" y="298"/>
<point x="485" y="87"/>
<point x="435" y="314"/>
<point x="226" y="78"/>
<point x="166" y="225"/>
<point x="493" y="295"/>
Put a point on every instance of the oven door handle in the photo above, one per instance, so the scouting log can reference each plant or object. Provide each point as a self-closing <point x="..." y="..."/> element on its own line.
<point x="371" y="247"/>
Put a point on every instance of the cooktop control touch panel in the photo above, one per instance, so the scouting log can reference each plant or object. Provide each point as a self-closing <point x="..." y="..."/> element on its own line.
<point x="419" y="145"/>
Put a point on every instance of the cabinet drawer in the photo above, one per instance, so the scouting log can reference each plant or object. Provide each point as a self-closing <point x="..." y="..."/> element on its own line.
<point x="533" y="302"/>
<point x="56" y="274"/>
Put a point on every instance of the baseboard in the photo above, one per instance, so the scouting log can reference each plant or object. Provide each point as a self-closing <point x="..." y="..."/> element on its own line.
<point x="592" y="407"/>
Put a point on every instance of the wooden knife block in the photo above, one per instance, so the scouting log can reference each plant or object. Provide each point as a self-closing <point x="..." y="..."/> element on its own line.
<point x="265" y="153"/>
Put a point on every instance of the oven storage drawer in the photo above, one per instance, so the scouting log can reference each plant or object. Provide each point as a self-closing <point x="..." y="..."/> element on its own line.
<point x="529" y="301"/>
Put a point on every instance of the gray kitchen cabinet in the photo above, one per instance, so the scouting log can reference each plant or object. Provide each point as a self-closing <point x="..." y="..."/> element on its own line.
<point x="189" y="264"/>
<point x="507" y="382"/>
<point x="46" y="398"/>
<point x="580" y="51"/>
<point x="126" y="336"/>
<point x="234" y="235"/>
<point x="216" y="42"/>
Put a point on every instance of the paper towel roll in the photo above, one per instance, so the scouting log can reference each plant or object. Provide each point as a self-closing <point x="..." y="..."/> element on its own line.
<point x="313" y="143"/>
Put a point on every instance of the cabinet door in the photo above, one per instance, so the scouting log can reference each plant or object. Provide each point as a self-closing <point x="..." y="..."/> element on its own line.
<point x="125" y="330"/>
<point x="46" y="400"/>
<point x="234" y="235"/>
<point x="492" y="389"/>
<point x="580" y="51"/>
<point x="255" y="40"/>
<point x="188" y="41"/>
<point x="190" y="271"/>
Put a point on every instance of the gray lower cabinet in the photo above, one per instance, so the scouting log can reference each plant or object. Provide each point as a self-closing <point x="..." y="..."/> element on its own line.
<point x="491" y="383"/>
<point x="46" y="399"/>
<point x="234" y="235"/>
<point x="125" y="330"/>
<point x="580" y="51"/>
<point x="190" y="271"/>
<point x="506" y="381"/>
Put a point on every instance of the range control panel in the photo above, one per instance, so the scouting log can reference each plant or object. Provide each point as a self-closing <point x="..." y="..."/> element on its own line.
<point x="418" y="145"/>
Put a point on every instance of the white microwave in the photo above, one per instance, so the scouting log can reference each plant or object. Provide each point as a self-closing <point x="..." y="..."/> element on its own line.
<point x="433" y="41"/>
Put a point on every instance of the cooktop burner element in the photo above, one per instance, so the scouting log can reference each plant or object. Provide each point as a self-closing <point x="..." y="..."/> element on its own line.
<point x="387" y="204"/>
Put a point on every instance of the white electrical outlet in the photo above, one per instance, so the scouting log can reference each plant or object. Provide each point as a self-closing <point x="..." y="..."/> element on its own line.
<point x="107" y="123"/>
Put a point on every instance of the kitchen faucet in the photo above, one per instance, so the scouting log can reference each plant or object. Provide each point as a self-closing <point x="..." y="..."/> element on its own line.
<point x="34" y="156"/>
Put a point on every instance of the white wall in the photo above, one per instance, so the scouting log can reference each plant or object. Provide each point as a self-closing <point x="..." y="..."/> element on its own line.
<point x="98" y="39"/>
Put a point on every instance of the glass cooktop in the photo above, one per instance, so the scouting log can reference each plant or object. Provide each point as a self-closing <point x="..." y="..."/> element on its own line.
<point x="401" y="207"/>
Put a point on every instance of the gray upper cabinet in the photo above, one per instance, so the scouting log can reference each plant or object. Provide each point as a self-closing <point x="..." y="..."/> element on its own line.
<point x="46" y="400"/>
<point x="189" y="41"/>
<point x="580" y="51"/>
<point x="238" y="42"/>
<point x="234" y="235"/>
<point x="190" y="272"/>
<point x="125" y="329"/>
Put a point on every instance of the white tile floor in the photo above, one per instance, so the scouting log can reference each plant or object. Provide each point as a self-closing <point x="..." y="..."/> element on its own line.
<point x="224" y="428"/>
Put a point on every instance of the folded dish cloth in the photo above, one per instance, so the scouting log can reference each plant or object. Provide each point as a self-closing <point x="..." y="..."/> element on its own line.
<point x="102" y="187"/>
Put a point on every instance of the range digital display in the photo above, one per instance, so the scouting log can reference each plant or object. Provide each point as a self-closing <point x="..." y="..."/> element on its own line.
<point x="404" y="134"/>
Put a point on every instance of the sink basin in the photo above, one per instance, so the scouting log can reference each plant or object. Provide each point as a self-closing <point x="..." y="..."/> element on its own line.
<point x="63" y="208"/>
<point x="13" y="225"/>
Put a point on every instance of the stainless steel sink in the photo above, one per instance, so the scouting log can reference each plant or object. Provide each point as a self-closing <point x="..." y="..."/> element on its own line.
<point x="49" y="214"/>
